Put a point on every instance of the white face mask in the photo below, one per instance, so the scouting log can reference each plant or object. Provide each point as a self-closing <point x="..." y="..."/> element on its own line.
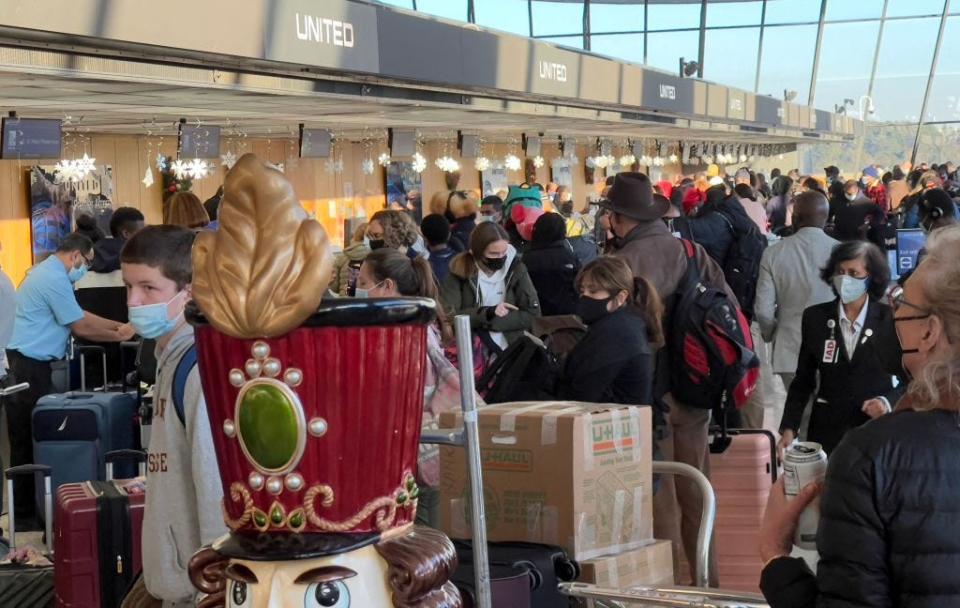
<point x="851" y="197"/>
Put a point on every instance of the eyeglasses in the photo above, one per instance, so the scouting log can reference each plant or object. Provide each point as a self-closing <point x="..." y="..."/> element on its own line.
<point x="897" y="301"/>
<point x="88" y="260"/>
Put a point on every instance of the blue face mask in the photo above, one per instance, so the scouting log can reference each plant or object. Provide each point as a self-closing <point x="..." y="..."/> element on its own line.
<point x="150" y="320"/>
<point x="360" y="292"/>
<point x="849" y="288"/>
<point x="76" y="274"/>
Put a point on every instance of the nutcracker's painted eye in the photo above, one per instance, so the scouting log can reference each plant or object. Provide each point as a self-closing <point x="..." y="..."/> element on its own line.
<point x="333" y="594"/>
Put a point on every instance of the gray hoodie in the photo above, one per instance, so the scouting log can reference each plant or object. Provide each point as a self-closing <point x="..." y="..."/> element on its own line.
<point x="184" y="492"/>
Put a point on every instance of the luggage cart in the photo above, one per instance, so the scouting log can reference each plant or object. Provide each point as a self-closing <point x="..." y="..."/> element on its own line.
<point x="678" y="597"/>
<point x="468" y="438"/>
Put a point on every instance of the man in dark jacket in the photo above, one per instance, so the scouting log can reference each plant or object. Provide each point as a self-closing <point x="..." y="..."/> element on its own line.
<point x="647" y="245"/>
<point x="552" y="265"/>
<point x="106" y="252"/>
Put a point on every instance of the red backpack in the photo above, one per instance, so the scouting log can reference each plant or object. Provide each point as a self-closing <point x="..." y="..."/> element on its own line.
<point x="712" y="362"/>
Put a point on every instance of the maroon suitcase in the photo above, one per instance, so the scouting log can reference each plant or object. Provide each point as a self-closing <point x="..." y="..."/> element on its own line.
<point x="743" y="468"/>
<point x="98" y="526"/>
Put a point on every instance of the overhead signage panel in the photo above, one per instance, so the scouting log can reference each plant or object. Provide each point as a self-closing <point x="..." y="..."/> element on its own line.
<point x="770" y="111"/>
<point x="667" y="93"/>
<point x="331" y="34"/>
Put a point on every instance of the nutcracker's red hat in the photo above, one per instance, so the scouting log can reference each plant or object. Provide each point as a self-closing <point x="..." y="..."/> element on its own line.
<point x="314" y="406"/>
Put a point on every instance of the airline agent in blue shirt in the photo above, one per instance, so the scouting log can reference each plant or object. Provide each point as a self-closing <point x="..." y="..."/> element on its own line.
<point x="47" y="313"/>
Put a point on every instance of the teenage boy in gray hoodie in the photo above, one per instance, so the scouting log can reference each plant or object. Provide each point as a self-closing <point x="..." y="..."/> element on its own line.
<point x="183" y="480"/>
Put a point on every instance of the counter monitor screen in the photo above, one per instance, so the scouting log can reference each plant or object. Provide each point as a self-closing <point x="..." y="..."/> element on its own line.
<point x="315" y="143"/>
<point x="909" y="243"/>
<point x="31" y="138"/>
<point x="199" y="142"/>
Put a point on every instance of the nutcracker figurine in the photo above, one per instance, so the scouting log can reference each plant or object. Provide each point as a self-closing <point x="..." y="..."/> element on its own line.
<point x="315" y="407"/>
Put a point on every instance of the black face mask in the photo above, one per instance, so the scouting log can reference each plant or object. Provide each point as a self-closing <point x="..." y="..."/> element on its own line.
<point x="591" y="310"/>
<point x="377" y="244"/>
<point x="495" y="264"/>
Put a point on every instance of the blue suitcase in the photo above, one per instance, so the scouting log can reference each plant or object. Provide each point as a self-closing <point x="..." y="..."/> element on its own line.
<point x="73" y="431"/>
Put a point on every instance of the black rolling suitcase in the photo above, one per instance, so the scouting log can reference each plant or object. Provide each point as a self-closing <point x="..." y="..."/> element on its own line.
<point x="509" y="586"/>
<point x="21" y="585"/>
<point x="546" y="565"/>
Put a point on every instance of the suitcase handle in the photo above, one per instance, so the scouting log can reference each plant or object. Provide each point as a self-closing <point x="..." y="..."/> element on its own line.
<point x="31" y="469"/>
<point x="27" y="469"/>
<point x="16" y="388"/>
<point x="139" y="456"/>
<point x="774" y="459"/>
<point x="83" y="349"/>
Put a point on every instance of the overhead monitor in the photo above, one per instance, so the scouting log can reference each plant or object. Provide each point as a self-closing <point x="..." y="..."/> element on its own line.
<point x="199" y="141"/>
<point x="315" y="143"/>
<point x="31" y="138"/>
<point x="403" y="142"/>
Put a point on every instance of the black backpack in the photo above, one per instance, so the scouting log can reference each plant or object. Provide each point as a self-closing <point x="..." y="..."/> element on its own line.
<point x="525" y="371"/>
<point x="712" y="362"/>
<point x="741" y="268"/>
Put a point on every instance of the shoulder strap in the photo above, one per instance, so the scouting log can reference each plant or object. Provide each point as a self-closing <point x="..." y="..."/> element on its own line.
<point x="692" y="274"/>
<point x="184" y="367"/>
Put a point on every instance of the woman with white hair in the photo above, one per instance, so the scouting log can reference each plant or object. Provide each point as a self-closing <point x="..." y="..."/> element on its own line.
<point x="888" y="533"/>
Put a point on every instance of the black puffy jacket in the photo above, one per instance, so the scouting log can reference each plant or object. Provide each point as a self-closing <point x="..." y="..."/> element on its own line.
<point x="553" y="267"/>
<point x="888" y="532"/>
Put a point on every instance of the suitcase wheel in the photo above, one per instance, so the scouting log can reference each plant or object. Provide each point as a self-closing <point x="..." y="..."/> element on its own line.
<point x="536" y="579"/>
<point x="567" y="570"/>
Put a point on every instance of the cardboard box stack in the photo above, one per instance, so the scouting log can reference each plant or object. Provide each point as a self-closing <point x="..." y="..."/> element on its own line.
<point x="577" y="475"/>
<point x="651" y="565"/>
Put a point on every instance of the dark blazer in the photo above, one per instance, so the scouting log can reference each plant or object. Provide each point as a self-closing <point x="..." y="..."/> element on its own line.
<point x="844" y="384"/>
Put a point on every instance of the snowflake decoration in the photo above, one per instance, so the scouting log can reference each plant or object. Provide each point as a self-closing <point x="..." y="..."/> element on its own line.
<point x="66" y="170"/>
<point x="419" y="162"/>
<point x="180" y="169"/>
<point x="673" y="158"/>
<point x="333" y="166"/>
<point x="707" y="159"/>
<point x="627" y="160"/>
<point x="538" y="161"/>
<point x="743" y="158"/>
<point x="228" y="160"/>
<point x="658" y="161"/>
<point x="367" y="166"/>
<point x="86" y="164"/>
<point x="601" y="162"/>
<point x="198" y="169"/>
<point x="512" y="162"/>
<point x="482" y="163"/>
<point x="447" y="164"/>
<point x="161" y="162"/>
<point x="591" y="162"/>
<point x="148" y="177"/>
<point x="572" y="159"/>
<point x="383" y="159"/>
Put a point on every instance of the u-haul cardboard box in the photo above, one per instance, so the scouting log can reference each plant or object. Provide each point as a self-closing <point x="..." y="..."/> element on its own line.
<point x="576" y="475"/>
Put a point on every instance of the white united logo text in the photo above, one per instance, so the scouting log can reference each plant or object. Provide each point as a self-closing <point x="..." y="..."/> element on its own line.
<point x="324" y="30"/>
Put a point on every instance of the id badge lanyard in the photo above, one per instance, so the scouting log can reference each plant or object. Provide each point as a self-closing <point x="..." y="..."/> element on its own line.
<point x="830" y="344"/>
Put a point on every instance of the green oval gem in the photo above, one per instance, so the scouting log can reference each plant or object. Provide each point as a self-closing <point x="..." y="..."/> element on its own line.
<point x="296" y="520"/>
<point x="402" y="498"/>
<point x="415" y="493"/>
<point x="269" y="426"/>
<point x="276" y="515"/>
<point x="260" y="519"/>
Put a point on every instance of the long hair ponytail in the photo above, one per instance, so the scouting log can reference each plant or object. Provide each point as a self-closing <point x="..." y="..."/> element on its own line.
<point x="413" y="278"/>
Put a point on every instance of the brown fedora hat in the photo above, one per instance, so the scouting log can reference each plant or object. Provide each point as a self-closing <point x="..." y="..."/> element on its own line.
<point x="632" y="195"/>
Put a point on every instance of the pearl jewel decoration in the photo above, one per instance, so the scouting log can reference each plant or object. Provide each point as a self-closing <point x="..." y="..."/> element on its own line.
<point x="293" y="377"/>
<point x="271" y="368"/>
<point x="229" y="429"/>
<point x="256" y="481"/>
<point x="274" y="485"/>
<point x="294" y="482"/>
<point x="317" y="427"/>
<point x="260" y="350"/>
